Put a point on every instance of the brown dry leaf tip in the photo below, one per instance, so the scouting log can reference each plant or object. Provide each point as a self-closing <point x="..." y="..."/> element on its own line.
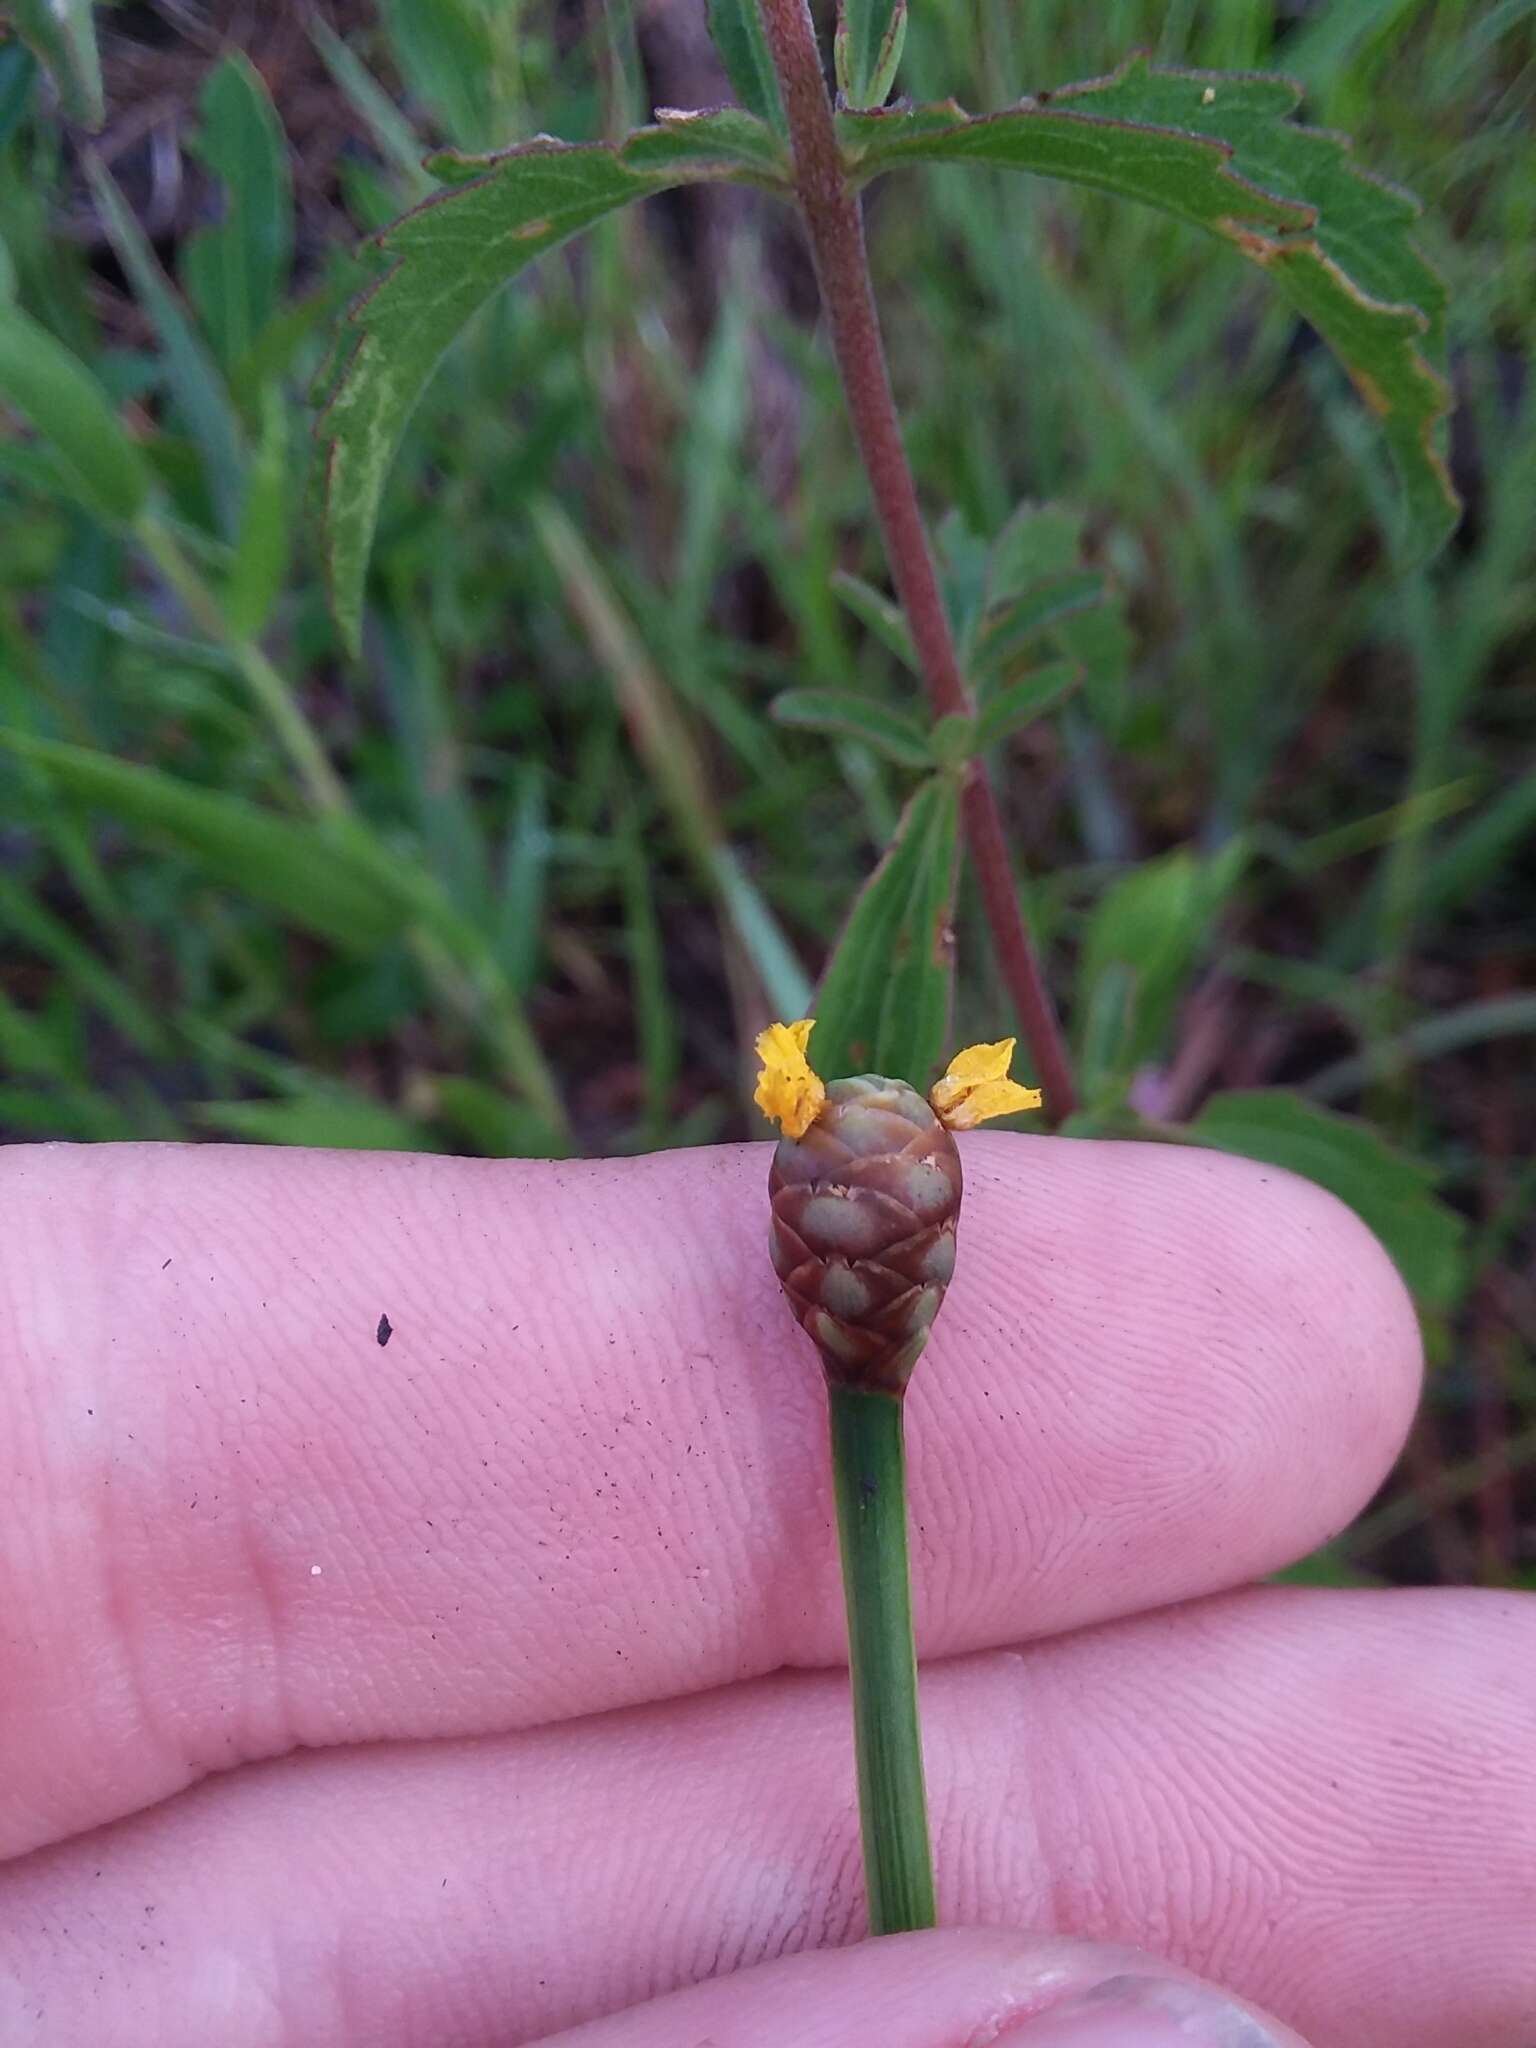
<point x="865" y="1189"/>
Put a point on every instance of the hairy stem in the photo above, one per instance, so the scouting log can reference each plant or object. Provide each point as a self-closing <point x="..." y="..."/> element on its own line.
<point x="869" y="1480"/>
<point x="836" y="229"/>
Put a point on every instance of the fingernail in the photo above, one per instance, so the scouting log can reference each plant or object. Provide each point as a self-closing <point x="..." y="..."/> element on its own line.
<point x="1140" y="2012"/>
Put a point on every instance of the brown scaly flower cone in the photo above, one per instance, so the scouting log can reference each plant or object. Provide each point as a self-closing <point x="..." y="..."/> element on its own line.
<point x="865" y="1205"/>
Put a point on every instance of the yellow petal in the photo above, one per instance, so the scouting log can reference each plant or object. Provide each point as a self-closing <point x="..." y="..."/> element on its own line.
<point x="983" y="1062"/>
<point x="789" y="1093"/>
<point x="977" y="1088"/>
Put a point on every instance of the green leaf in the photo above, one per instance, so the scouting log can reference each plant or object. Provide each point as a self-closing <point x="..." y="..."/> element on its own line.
<point x="191" y="378"/>
<point x="881" y="614"/>
<point x="1219" y="151"/>
<point x="235" y="273"/>
<point x="18" y="73"/>
<point x="1145" y="936"/>
<point x="332" y="1118"/>
<point x="312" y="874"/>
<point x="1039" y="542"/>
<point x="736" y="27"/>
<point x="261" y="545"/>
<point x="900" y="739"/>
<point x="62" y="35"/>
<point x="446" y="51"/>
<point x="961" y="559"/>
<point x="396" y="140"/>
<point x="952" y="740"/>
<point x="1021" y="703"/>
<point x="89" y="980"/>
<point x="448" y="257"/>
<point x="1016" y="625"/>
<point x="57" y="394"/>
<point x="1387" y="1189"/>
<point x="884" y="1002"/>
<point x="1039" y="590"/>
<point x="866" y="49"/>
<point x="489" y="1120"/>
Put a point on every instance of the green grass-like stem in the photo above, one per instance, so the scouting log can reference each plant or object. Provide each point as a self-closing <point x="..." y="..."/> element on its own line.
<point x="869" y="1480"/>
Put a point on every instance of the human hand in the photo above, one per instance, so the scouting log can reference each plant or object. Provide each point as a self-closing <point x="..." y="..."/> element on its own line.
<point x="455" y="1691"/>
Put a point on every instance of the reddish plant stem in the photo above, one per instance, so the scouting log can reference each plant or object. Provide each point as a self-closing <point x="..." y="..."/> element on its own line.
<point x="836" y="229"/>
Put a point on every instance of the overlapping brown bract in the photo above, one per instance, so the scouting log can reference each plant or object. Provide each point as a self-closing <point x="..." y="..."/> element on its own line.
<point x="865" y="1206"/>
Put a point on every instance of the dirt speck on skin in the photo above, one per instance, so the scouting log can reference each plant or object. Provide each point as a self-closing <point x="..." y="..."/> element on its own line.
<point x="385" y="1331"/>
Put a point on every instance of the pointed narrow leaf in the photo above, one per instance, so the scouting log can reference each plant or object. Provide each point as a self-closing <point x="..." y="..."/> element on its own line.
<point x="447" y="258"/>
<point x="1009" y="631"/>
<point x="191" y="378"/>
<point x="736" y="27"/>
<point x="235" y="272"/>
<point x="62" y="36"/>
<point x="1388" y="1190"/>
<point x="337" y="1119"/>
<point x="57" y="395"/>
<point x="310" y="875"/>
<point x="1040" y="591"/>
<point x="1151" y="926"/>
<point x="881" y="614"/>
<point x="840" y="711"/>
<point x="1019" y="704"/>
<point x="260" y="559"/>
<point x="866" y="49"/>
<point x="884" y="1002"/>
<point x="1218" y="150"/>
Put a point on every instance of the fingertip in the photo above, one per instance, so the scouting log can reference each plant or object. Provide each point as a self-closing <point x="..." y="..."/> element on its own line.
<point x="951" y="1988"/>
<point x="1220" y="1340"/>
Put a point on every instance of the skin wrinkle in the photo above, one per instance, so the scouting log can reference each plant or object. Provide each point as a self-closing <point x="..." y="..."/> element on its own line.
<point x="784" y="1550"/>
<point x="1172" y="1767"/>
<point x="343" y="1451"/>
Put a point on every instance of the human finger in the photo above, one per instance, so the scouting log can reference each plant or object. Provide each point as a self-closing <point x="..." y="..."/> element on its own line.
<point x="1324" y="1801"/>
<point x="319" y="1448"/>
<point x="947" y="1990"/>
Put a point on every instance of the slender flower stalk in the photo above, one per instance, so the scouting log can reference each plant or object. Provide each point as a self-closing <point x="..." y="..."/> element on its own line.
<point x="865" y="1191"/>
<point x="869" y="1479"/>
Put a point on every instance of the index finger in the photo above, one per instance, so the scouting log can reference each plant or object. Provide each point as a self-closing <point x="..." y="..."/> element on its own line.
<point x="321" y="1448"/>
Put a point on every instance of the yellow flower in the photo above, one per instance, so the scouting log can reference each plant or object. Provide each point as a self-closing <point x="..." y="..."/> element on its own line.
<point x="789" y="1093"/>
<point x="977" y="1087"/>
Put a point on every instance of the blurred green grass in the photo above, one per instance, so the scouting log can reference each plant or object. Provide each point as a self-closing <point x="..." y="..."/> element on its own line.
<point x="572" y="850"/>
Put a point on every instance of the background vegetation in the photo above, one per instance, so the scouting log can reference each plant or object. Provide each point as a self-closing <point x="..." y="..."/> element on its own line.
<point x="532" y="871"/>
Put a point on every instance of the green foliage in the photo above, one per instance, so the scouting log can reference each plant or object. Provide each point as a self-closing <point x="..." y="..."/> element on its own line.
<point x="1140" y="947"/>
<point x="329" y="1117"/>
<point x="866" y="49"/>
<point x="236" y="272"/>
<point x="314" y="876"/>
<point x="884" y="1003"/>
<point x="1014" y="705"/>
<point x="1038" y="596"/>
<point x="737" y="29"/>
<point x="451" y="255"/>
<point x="1387" y="1190"/>
<point x="63" y="35"/>
<point x="51" y="389"/>
<point x="260" y="561"/>
<point x="1218" y="151"/>
<point x="191" y="377"/>
<point x="449" y="48"/>
<point x="900" y="739"/>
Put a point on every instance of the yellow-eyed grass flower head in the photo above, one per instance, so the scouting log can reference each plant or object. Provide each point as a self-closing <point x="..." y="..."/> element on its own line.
<point x="865" y="1190"/>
